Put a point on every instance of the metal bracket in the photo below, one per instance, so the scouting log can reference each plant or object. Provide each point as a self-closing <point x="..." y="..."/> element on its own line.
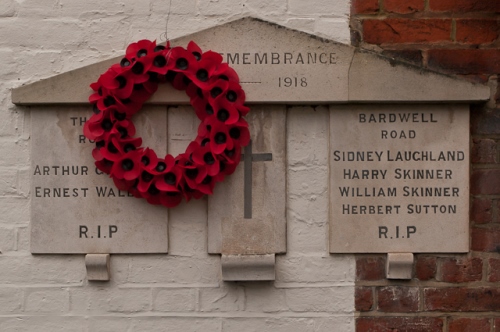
<point x="248" y="267"/>
<point x="97" y="267"/>
<point x="399" y="266"/>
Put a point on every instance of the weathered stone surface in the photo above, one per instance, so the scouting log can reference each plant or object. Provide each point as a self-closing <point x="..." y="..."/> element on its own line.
<point x="399" y="179"/>
<point x="87" y="213"/>
<point x="277" y="64"/>
<point x="231" y="230"/>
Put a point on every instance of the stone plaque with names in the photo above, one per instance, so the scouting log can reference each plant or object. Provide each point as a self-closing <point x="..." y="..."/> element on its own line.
<point x="76" y="209"/>
<point x="399" y="178"/>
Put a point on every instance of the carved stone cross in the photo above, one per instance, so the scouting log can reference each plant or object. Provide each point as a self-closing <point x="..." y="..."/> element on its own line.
<point x="248" y="158"/>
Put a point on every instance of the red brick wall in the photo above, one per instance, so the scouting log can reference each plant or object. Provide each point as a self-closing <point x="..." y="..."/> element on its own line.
<point x="448" y="293"/>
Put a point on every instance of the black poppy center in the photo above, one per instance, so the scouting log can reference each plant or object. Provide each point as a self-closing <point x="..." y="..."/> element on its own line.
<point x="127" y="165"/>
<point x="170" y="178"/>
<point x="153" y="190"/>
<point x="112" y="148"/>
<point x="128" y="147"/>
<point x="146" y="177"/>
<point x="235" y="133"/>
<point x="181" y="63"/>
<point x="138" y="68"/>
<point x="142" y="52"/>
<point x="230" y="153"/>
<point x="231" y="96"/>
<point x="153" y="77"/>
<point x="207" y="179"/>
<point x="125" y="62"/>
<point x="222" y="115"/>
<point x="108" y="101"/>
<point x="100" y="144"/>
<point x="106" y="124"/>
<point x="122" y="81"/>
<point x="96" y="109"/>
<point x="192" y="173"/>
<point x="120" y="116"/>
<point x="205" y="141"/>
<point x="209" y="109"/>
<point x="224" y="77"/>
<point x="208" y="158"/>
<point x="159" y="48"/>
<point x="220" y="138"/>
<point x="215" y="92"/>
<point x="145" y="160"/>
<point x="161" y="166"/>
<point x="202" y="75"/>
<point x="123" y="132"/>
<point x="197" y="56"/>
<point x="159" y="61"/>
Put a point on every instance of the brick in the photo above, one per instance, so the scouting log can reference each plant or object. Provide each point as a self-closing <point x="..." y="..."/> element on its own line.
<point x="8" y="8"/>
<point x="484" y="151"/>
<point x="318" y="7"/>
<point x="300" y="269"/>
<point x="465" y="61"/>
<point x="50" y="269"/>
<point x="275" y="324"/>
<point x="271" y="7"/>
<point x="40" y="323"/>
<point x="370" y="268"/>
<point x="222" y="299"/>
<point x="318" y="299"/>
<point x="7" y="239"/>
<point x="403" y="7"/>
<point x="167" y="269"/>
<point x="481" y="211"/>
<point x="174" y="299"/>
<point x="494" y="270"/>
<point x="223" y="7"/>
<point x="485" y="182"/>
<point x="398" y="299"/>
<point x="464" y="6"/>
<point x="265" y="298"/>
<point x="477" y="31"/>
<point x="402" y="30"/>
<point x="496" y="325"/>
<point x="184" y="324"/>
<point x="393" y="324"/>
<point x="485" y="121"/>
<point x="412" y="56"/>
<point x="333" y="28"/>
<point x="469" y="325"/>
<point x="10" y="300"/>
<point x="485" y="239"/>
<point x="462" y="299"/>
<point x="363" y="299"/>
<point x="461" y="270"/>
<point x="130" y="300"/>
<point x="425" y="268"/>
<point x="364" y="6"/>
<point x="47" y="301"/>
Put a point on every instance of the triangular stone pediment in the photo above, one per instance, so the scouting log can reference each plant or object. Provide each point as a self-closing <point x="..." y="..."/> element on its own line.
<point x="280" y="65"/>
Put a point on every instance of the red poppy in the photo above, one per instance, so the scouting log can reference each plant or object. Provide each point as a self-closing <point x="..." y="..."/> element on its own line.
<point x="128" y="166"/>
<point x="203" y="156"/>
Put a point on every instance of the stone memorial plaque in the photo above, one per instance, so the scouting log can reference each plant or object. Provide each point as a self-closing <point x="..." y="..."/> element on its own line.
<point x="247" y="212"/>
<point x="76" y="209"/>
<point x="399" y="178"/>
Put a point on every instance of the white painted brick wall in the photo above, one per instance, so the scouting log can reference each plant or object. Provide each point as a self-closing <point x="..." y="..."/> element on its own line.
<point x="182" y="290"/>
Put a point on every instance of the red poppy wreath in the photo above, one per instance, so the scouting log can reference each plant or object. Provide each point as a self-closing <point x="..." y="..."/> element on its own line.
<point x="217" y="98"/>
